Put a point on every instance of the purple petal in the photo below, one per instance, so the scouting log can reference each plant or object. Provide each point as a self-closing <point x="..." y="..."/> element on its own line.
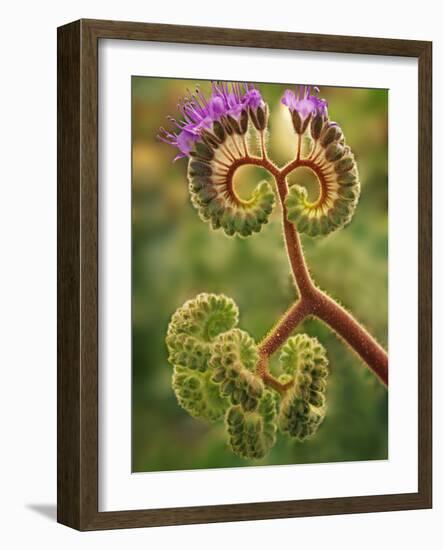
<point x="304" y="103"/>
<point x="288" y="99"/>
<point x="200" y="113"/>
<point x="185" y="141"/>
<point x="216" y="107"/>
<point x="253" y="98"/>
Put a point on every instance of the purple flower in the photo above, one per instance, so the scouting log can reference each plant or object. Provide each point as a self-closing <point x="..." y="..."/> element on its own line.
<point x="199" y="113"/>
<point x="304" y="103"/>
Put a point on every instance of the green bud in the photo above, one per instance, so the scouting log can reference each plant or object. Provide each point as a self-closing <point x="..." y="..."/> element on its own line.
<point x="244" y="119"/>
<point x="202" y="151"/>
<point x="303" y="224"/>
<point x="211" y="140"/>
<point x="199" y="168"/>
<point x="313" y="228"/>
<point x="206" y="195"/>
<point x="240" y="383"/>
<point x="252" y="434"/>
<point x="344" y="165"/>
<point x="297" y="121"/>
<point x="197" y="394"/>
<point x="302" y="350"/>
<point x="231" y="125"/>
<point x="328" y="213"/>
<point x="331" y="132"/>
<point x="320" y="371"/>
<point x="348" y="193"/>
<point x="334" y="151"/>
<point x="261" y="118"/>
<point x="317" y="399"/>
<point x="305" y="359"/>
<point x="337" y="169"/>
<point x="316" y="126"/>
<point x="347" y="178"/>
<point x="195" y="325"/>
<point x="215" y="199"/>
<point x="219" y="131"/>
<point x="296" y="418"/>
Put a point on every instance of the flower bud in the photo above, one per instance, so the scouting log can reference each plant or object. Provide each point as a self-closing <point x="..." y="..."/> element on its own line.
<point x="195" y="325"/>
<point x="202" y="151"/>
<point x="347" y="178"/>
<point x="244" y="119"/>
<point x="344" y="165"/>
<point x="331" y="132"/>
<point x="240" y="384"/>
<point x="252" y="434"/>
<point x="316" y="126"/>
<point x="212" y="188"/>
<point x="297" y="121"/>
<point x="305" y="358"/>
<point x="197" y="394"/>
<point x="199" y="168"/>
<point x="334" y="151"/>
<point x="336" y="172"/>
<point x="219" y="131"/>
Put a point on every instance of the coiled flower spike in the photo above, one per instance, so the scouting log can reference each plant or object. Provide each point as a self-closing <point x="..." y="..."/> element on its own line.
<point x="213" y="134"/>
<point x="191" y="333"/>
<point x="198" y="395"/>
<point x="233" y="360"/>
<point x="331" y="160"/>
<point x="252" y="434"/>
<point x="195" y="325"/>
<point x="303" y="407"/>
<point x="219" y="372"/>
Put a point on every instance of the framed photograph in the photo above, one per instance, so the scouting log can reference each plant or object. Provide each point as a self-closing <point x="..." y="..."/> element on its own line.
<point x="244" y="254"/>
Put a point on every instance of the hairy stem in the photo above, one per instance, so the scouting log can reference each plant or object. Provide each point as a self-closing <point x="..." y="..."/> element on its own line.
<point x="357" y="337"/>
<point x="312" y="301"/>
<point x="294" y="248"/>
<point x="284" y="328"/>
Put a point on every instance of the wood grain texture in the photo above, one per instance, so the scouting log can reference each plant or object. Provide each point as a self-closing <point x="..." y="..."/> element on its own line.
<point x="68" y="275"/>
<point x="425" y="274"/>
<point x="254" y="38"/>
<point x="78" y="274"/>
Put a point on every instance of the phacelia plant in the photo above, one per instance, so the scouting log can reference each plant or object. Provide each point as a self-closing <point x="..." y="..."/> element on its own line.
<point x="219" y="371"/>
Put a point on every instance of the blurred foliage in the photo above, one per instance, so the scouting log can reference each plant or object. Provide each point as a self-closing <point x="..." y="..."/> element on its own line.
<point x="176" y="256"/>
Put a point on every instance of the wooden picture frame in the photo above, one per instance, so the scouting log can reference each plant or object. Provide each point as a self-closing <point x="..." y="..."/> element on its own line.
<point x="78" y="274"/>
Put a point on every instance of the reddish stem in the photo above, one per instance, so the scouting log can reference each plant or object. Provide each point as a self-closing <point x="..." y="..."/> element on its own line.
<point x="286" y="325"/>
<point x="293" y="244"/>
<point x="357" y="337"/>
<point x="312" y="300"/>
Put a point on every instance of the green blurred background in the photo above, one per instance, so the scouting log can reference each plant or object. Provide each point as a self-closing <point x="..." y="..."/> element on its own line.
<point x="176" y="255"/>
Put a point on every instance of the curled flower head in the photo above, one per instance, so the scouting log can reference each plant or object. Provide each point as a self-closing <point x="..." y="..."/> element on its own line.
<point x="214" y="134"/>
<point x="304" y="106"/>
<point x="227" y="101"/>
<point x="335" y="166"/>
<point x="303" y="407"/>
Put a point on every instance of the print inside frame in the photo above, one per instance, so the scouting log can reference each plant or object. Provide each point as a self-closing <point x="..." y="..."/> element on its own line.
<point x="128" y="512"/>
<point x="168" y="235"/>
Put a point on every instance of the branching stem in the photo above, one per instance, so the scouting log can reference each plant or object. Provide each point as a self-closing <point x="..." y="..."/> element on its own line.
<point x="312" y="300"/>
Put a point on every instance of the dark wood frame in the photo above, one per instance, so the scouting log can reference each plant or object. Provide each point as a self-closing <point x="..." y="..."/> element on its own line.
<point x="77" y="455"/>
